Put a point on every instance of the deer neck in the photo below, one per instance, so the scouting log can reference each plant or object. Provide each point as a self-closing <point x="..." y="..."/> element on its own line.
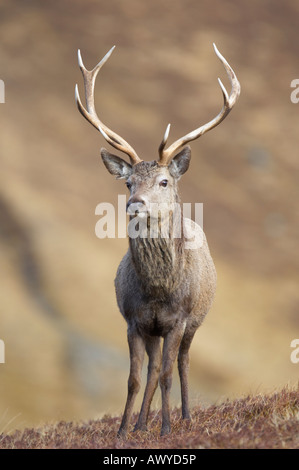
<point x="159" y="259"/>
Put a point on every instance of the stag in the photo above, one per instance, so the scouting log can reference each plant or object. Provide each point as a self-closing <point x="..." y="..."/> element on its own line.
<point x="163" y="288"/>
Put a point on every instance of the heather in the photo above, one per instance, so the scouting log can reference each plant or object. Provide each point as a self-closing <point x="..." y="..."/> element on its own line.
<point x="262" y="421"/>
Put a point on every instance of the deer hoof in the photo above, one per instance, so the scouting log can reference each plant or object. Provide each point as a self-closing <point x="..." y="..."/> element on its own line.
<point x="165" y="430"/>
<point x="122" y="433"/>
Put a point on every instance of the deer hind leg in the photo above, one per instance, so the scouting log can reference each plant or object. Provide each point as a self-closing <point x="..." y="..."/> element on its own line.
<point x="137" y="348"/>
<point x="153" y="350"/>
<point x="170" y="350"/>
<point x="183" y="366"/>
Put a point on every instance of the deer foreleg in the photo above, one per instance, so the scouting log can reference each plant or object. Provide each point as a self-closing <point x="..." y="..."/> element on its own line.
<point x="183" y="366"/>
<point x="137" y="348"/>
<point x="170" y="350"/>
<point x="154" y="366"/>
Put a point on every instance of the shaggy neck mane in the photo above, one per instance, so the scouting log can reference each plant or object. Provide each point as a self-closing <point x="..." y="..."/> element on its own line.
<point x="159" y="261"/>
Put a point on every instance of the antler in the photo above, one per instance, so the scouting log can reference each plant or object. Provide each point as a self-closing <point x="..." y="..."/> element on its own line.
<point x="90" y="114"/>
<point x="229" y="101"/>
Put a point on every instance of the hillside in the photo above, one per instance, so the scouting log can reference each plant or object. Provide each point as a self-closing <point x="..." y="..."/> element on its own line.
<point x="255" y="422"/>
<point x="65" y="341"/>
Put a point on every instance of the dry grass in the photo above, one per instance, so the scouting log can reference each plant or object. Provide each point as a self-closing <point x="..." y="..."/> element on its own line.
<point x="260" y="421"/>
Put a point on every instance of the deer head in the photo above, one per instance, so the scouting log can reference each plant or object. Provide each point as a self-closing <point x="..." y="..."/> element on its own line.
<point x="150" y="182"/>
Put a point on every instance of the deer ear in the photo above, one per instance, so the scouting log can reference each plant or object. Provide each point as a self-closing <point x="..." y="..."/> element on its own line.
<point x="180" y="163"/>
<point x="116" y="165"/>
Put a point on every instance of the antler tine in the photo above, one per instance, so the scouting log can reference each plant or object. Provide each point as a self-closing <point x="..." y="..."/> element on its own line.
<point x="89" y="77"/>
<point x="229" y="102"/>
<point x="164" y="141"/>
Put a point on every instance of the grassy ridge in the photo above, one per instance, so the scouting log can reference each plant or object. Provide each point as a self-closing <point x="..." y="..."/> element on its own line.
<point x="260" y="421"/>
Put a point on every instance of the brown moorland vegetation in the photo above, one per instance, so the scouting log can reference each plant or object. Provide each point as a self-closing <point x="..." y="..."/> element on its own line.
<point x="256" y="422"/>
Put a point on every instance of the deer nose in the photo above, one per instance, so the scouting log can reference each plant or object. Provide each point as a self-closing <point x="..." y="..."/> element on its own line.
<point x="136" y="205"/>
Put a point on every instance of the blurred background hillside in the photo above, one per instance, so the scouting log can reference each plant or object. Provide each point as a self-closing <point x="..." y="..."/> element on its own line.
<point x="65" y="341"/>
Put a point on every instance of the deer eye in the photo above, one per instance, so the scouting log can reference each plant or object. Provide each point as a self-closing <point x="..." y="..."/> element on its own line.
<point x="163" y="183"/>
<point x="129" y="185"/>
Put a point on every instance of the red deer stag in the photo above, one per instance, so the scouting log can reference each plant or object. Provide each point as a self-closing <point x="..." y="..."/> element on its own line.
<point x="163" y="288"/>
